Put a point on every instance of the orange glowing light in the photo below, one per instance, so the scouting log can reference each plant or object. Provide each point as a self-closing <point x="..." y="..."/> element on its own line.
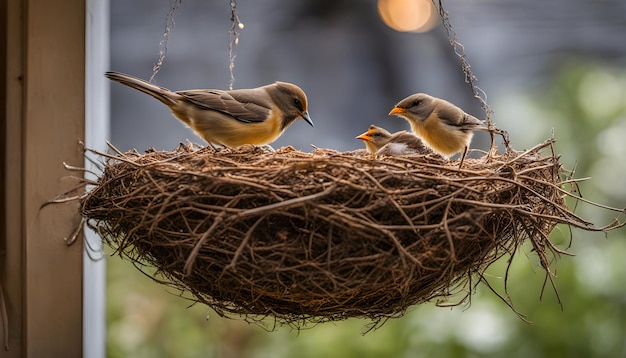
<point x="408" y="15"/>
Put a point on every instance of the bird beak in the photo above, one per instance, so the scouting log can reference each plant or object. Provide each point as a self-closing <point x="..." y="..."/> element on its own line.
<point x="307" y="118"/>
<point x="363" y="136"/>
<point x="397" y="111"/>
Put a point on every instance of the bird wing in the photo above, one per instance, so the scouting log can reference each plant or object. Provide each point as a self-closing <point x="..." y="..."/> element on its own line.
<point x="454" y="116"/>
<point x="409" y="139"/>
<point x="450" y="115"/>
<point x="245" y="106"/>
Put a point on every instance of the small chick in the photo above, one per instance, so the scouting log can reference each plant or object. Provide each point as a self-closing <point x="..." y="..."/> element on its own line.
<point x="380" y="141"/>
<point x="375" y="138"/>
<point x="404" y="143"/>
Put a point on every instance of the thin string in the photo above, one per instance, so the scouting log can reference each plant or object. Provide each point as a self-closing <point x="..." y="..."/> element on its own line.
<point x="233" y="36"/>
<point x="459" y="50"/>
<point x="470" y="79"/>
<point x="169" y="26"/>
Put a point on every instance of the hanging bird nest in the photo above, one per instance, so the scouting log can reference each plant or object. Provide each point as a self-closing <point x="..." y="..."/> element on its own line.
<point x="323" y="236"/>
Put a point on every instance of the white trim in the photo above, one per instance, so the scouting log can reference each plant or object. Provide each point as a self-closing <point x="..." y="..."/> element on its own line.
<point x="96" y="133"/>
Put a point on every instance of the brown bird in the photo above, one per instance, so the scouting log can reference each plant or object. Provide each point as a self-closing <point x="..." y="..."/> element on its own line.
<point x="444" y="127"/>
<point x="254" y="116"/>
<point x="375" y="138"/>
<point x="380" y="141"/>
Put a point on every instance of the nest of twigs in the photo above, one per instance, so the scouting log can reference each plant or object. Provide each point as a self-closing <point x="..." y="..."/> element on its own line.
<point x="322" y="236"/>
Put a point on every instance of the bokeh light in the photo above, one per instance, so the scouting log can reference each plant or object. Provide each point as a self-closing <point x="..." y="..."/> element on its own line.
<point x="408" y="15"/>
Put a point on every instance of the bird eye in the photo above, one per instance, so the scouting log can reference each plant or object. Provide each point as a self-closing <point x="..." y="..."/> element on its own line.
<point x="376" y="134"/>
<point x="417" y="102"/>
<point x="297" y="102"/>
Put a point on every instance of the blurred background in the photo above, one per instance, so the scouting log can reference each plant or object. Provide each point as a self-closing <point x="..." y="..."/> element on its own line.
<point x="546" y="66"/>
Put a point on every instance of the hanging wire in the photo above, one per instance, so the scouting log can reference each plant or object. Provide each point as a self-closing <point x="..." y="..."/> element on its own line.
<point x="470" y="79"/>
<point x="233" y="35"/>
<point x="169" y="26"/>
<point x="459" y="50"/>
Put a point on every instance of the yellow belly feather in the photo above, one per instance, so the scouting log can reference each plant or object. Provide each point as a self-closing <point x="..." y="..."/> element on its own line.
<point x="442" y="139"/>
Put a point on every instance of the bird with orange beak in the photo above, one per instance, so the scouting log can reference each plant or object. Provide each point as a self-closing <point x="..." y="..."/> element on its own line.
<point x="444" y="127"/>
<point x="379" y="141"/>
<point x="375" y="138"/>
<point x="254" y="116"/>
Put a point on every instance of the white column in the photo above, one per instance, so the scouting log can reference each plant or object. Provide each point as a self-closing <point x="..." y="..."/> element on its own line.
<point x="96" y="133"/>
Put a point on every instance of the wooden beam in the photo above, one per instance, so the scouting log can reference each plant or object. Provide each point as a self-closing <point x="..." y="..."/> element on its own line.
<point x="45" y="109"/>
<point x="11" y="258"/>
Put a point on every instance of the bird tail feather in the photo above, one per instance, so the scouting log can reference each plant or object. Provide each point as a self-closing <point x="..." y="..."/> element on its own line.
<point x="161" y="93"/>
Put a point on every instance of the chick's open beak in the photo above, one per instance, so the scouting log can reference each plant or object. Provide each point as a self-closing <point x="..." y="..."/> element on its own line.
<point x="397" y="110"/>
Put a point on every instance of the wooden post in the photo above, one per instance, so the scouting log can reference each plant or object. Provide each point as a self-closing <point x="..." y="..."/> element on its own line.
<point x="43" y="78"/>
